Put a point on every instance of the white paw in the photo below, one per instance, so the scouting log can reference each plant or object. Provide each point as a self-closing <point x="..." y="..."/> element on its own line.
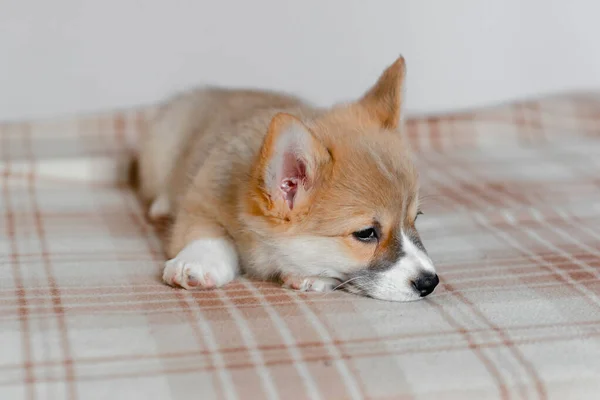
<point x="310" y="284"/>
<point x="203" y="264"/>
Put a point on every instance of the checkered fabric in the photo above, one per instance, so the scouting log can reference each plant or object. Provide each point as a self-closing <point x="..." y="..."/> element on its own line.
<point x="512" y="220"/>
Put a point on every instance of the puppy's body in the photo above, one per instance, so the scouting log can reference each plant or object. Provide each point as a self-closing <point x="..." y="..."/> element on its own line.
<point x="268" y="183"/>
<point x="201" y="124"/>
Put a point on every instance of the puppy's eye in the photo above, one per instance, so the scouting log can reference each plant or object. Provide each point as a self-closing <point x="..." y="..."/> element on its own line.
<point x="418" y="213"/>
<point x="366" y="235"/>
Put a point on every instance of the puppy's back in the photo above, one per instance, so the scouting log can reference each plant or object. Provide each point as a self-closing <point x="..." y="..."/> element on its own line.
<point x="185" y="130"/>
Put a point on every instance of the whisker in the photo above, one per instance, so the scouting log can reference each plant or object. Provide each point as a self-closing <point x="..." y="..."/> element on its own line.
<point x="325" y="294"/>
<point x="428" y="199"/>
<point x="343" y="283"/>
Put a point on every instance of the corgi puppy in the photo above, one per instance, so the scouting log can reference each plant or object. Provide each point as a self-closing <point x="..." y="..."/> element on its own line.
<point x="266" y="184"/>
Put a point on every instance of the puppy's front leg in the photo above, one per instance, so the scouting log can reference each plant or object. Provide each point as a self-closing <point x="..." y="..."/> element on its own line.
<point x="203" y="256"/>
<point x="310" y="284"/>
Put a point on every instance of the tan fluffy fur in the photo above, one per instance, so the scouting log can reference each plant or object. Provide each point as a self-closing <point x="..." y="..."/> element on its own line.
<point x="206" y="154"/>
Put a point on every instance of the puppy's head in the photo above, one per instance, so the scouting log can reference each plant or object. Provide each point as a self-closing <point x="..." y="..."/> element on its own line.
<point x="337" y="196"/>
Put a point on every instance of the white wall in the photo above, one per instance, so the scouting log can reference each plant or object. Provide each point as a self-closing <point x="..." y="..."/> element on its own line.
<point x="65" y="56"/>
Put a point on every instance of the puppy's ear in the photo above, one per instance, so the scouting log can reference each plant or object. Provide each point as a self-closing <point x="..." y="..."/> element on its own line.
<point x="384" y="100"/>
<point x="289" y="165"/>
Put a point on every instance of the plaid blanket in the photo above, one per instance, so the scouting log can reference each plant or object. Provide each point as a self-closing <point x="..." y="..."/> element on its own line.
<point x="512" y="220"/>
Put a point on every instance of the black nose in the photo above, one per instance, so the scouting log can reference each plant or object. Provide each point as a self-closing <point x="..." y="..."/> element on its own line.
<point x="425" y="283"/>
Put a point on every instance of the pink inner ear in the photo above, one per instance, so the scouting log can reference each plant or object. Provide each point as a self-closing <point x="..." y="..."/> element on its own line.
<point x="293" y="174"/>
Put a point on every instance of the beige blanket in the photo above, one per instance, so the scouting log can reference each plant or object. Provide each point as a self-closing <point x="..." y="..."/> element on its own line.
<point x="512" y="220"/>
